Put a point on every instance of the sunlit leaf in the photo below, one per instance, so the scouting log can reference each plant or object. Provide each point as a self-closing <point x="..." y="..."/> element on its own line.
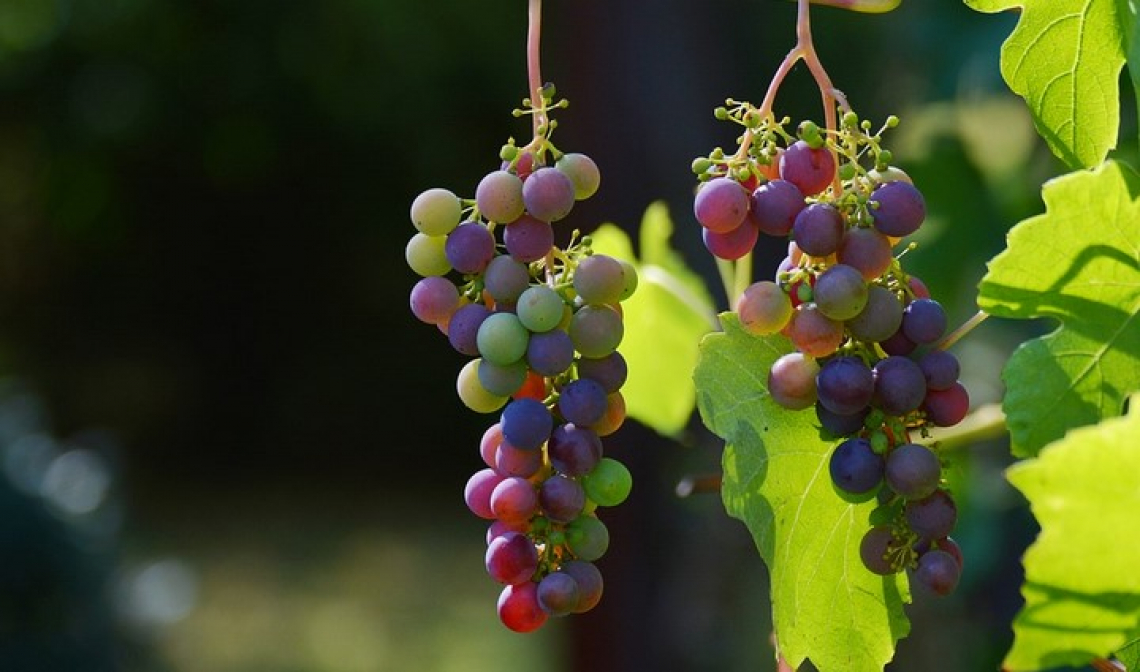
<point x="1078" y="263"/>
<point x="826" y="605"/>
<point x="1082" y="590"/>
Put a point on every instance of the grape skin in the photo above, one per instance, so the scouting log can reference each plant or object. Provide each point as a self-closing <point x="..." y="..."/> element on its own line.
<point x="913" y="471"/>
<point x="548" y="194"/>
<point x="720" y="204"/>
<point x="811" y="170"/>
<point x="774" y="206"/>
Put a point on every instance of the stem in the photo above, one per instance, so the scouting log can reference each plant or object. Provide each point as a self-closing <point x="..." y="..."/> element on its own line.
<point x="533" y="68"/>
<point x="956" y="335"/>
<point x="983" y="423"/>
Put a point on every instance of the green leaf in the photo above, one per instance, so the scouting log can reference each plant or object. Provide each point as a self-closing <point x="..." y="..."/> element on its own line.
<point x="1129" y="654"/>
<point x="1078" y="263"/>
<point x="1128" y="9"/>
<point x="826" y="605"/>
<point x="1081" y="590"/>
<point x="664" y="321"/>
<point x="1064" y="58"/>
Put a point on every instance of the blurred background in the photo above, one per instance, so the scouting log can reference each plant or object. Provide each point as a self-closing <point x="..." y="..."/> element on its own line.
<point x="226" y="445"/>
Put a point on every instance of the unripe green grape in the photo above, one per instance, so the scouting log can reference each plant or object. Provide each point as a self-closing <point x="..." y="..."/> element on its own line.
<point x="587" y="537"/>
<point x="583" y="173"/>
<point x="608" y="483"/>
<point x="501" y="379"/>
<point x="629" y="279"/>
<point x="473" y="394"/>
<point x="436" y="211"/>
<point x="596" y="330"/>
<point x="502" y="338"/>
<point x="540" y="308"/>
<point x="426" y="255"/>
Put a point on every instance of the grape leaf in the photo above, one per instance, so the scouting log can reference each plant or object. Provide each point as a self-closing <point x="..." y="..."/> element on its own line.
<point x="664" y="320"/>
<point x="1064" y="58"/>
<point x="1078" y="263"/>
<point x="1129" y="654"/>
<point x="826" y="605"/>
<point x="1081" y="590"/>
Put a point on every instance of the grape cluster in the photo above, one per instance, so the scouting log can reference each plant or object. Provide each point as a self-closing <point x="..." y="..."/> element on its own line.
<point x="542" y="326"/>
<point x="865" y="331"/>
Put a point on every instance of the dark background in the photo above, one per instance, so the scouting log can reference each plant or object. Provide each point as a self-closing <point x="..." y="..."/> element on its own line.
<point x="229" y="446"/>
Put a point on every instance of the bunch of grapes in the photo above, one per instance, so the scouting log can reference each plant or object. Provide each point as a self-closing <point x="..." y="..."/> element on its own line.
<point x="866" y="333"/>
<point x="542" y="326"/>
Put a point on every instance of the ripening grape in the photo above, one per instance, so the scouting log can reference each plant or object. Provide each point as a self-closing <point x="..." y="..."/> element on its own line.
<point x="470" y="247"/>
<point x="924" y="321"/>
<point x="938" y="571"/>
<point x="582" y="402"/>
<point x="473" y="394"/>
<point x="433" y="299"/>
<point x="506" y="278"/>
<point x="464" y="327"/>
<point x="436" y="211"/>
<point x="866" y="250"/>
<point x="874" y="550"/>
<point x="589" y="580"/>
<point x="528" y="239"/>
<point x="596" y="330"/>
<point x="614" y="417"/>
<point x="913" y="471"/>
<point x="477" y="492"/>
<point x="880" y="318"/>
<point x="600" y="279"/>
<point x="840" y="292"/>
<point x="811" y="170"/>
<point x="501" y="380"/>
<point x="814" y="333"/>
<point x="792" y="381"/>
<point x="933" y="516"/>
<point x="502" y="338"/>
<point x="519" y="609"/>
<point x="540" y="308"/>
<point x="550" y="353"/>
<point x="845" y="385"/>
<point x="560" y="498"/>
<point x="511" y="461"/>
<point x="720" y="204"/>
<point x="818" y="229"/>
<point x="511" y="558"/>
<point x="763" y="308"/>
<point x="583" y="173"/>
<point x="514" y="499"/>
<point x="609" y="371"/>
<point x="837" y="424"/>
<point x="498" y="196"/>
<point x="558" y="593"/>
<point x="946" y="408"/>
<point x="897" y="208"/>
<point x="548" y="194"/>
<point x="900" y="386"/>
<point x="587" y="537"/>
<point x="731" y="245"/>
<point x="774" y="206"/>
<point x="940" y="368"/>
<point x="574" y="450"/>
<point x="526" y="423"/>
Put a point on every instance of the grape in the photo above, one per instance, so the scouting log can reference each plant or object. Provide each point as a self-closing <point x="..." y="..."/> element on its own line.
<point x="938" y="571"/>
<point x="950" y="546"/>
<point x="511" y="558"/>
<point x="470" y="247"/>
<point x="946" y="408"/>
<point x="791" y="381"/>
<point x="599" y="279"/>
<point x="866" y="250"/>
<point x="514" y="499"/>
<point x="629" y="279"/>
<point x="540" y="308"/>
<point x="811" y="170"/>
<point x="498" y="528"/>
<point x="614" y="417"/>
<point x="913" y="471"/>
<point x="434" y="299"/>
<point x="855" y="467"/>
<point x="583" y="173"/>
<point x="436" y="212"/>
<point x="596" y="330"/>
<point x="574" y="450"/>
<point x="898" y="343"/>
<point x="477" y="492"/>
<point x="775" y="205"/>
<point x="933" y="516"/>
<point x="427" y="255"/>
<point x="874" y="549"/>
<point x="506" y="278"/>
<point x="924" y="321"/>
<point x="589" y="580"/>
<point x="526" y="423"/>
<point x="840" y="292"/>
<point x="733" y="244"/>
<point x="464" y="327"/>
<point x="502" y="338"/>
<point x="763" y="308"/>
<point x="836" y="424"/>
<point x="897" y="208"/>
<point x="498" y="196"/>
<point x="721" y="204"/>
<point x="608" y="483"/>
<point x="813" y="333"/>
<point x="582" y="402"/>
<point x="845" y="385"/>
<point x="548" y="194"/>
<point x="502" y="380"/>
<point x="534" y="387"/>
<point x="899" y="385"/>
<point x="880" y="318"/>
<point x="550" y="353"/>
<point x="940" y="368"/>
<point x="511" y="461"/>
<point x="528" y="239"/>
<point x="889" y="174"/>
<point x="561" y="499"/>
<point x="489" y="443"/>
<point x="918" y="288"/>
<point x="610" y="371"/>
<point x="519" y="609"/>
<point x="472" y="393"/>
<point x="587" y="537"/>
<point x="818" y="229"/>
<point x="558" y="593"/>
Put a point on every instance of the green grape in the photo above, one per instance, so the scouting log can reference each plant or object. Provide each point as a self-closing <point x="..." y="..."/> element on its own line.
<point x="436" y="211"/>
<point x="540" y="308"/>
<point x="608" y="483"/>
<point x="502" y="338"/>
<point x="426" y="256"/>
<point x="473" y="394"/>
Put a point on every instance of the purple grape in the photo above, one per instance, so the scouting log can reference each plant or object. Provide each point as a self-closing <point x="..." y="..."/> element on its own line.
<point x="470" y="247"/>
<point x="938" y="571"/>
<point x="898" y="343"/>
<point x="514" y="499"/>
<point x="548" y="194"/>
<point x="596" y="330"/>
<point x="464" y="326"/>
<point x="880" y="318"/>
<point x="511" y="461"/>
<point x="946" y="408"/>
<point x="874" y="549"/>
<point x="845" y="385"/>
<point x="814" y="333"/>
<point x="610" y="371"/>
<point x="855" y="467"/>
<point x="867" y="250"/>
<point x="477" y="492"/>
<point x="550" y="353"/>
<point x="511" y="558"/>
<point x="561" y="499"/>
<point x="818" y="229"/>
<point x="506" y="278"/>
<point x="940" y="368"/>
<point x="913" y="471"/>
<point x="599" y="279"/>
<point x="933" y="516"/>
<point x="811" y="170"/>
<point x="589" y="580"/>
<point x="897" y="208"/>
<point x="528" y="239"/>
<point x="526" y="423"/>
<point x="433" y="299"/>
<point x="775" y="205"/>
<point x="900" y="386"/>
<point x="840" y="292"/>
<point x="720" y="204"/>
<point x="574" y="450"/>
<point x="558" y="594"/>
<point x="924" y="320"/>
<point x="837" y="425"/>
<point x="518" y="607"/>
<point x="731" y="245"/>
<point x="582" y="402"/>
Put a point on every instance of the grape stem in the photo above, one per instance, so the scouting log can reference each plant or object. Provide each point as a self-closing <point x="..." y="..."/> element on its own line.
<point x="533" y="67"/>
<point x="966" y="327"/>
<point x="982" y="424"/>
